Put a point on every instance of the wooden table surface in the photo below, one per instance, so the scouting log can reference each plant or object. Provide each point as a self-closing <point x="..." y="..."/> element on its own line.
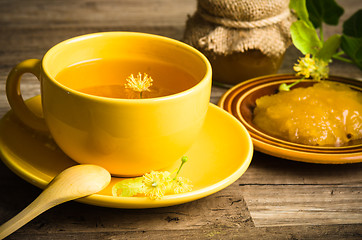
<point x="274" y="199"/>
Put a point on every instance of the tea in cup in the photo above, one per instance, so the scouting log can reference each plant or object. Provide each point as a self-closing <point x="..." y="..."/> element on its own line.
<point x="95" y="113"/>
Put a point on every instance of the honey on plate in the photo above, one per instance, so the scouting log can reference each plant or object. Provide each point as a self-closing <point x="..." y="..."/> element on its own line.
<point x="327" y="113"/>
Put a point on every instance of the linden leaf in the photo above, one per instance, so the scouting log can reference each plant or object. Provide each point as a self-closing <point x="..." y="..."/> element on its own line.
<point x="329" y="48"/>
<point x="352" y="46"/>
<point x="352" y="26"/>
<point x="352" y="38"/>
<point x="128" y="187"/>
<point x="300" y="8"/>
<point x="327" y="11"/>
<point x="305" y="37"/>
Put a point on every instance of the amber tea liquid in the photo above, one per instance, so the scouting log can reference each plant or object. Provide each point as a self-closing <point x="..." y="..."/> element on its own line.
<point x="107" y="77"/>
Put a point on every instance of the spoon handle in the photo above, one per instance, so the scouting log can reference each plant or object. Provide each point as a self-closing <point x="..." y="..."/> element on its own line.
<point x="74" y="182"/>
<point x="37" y="207"/>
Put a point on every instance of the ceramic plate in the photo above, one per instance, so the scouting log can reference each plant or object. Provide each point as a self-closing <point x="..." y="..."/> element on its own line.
<point x="220" y="155"/>
<point x="240" y="102"/>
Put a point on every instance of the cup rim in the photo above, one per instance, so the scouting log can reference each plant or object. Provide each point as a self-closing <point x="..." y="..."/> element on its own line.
<point x="205" y="80"/>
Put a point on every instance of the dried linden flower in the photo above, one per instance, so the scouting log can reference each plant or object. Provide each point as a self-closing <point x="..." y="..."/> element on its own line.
<point x="321" y="71"/>
<point x="139" y="84"/>
<point x="311" y="67"/>
<point x="305" y="66"/>
<point x="181" y="185"/>
<point x="308" y="67"/>
<point x="153" y="185"/>
<point x="156" y="184"/>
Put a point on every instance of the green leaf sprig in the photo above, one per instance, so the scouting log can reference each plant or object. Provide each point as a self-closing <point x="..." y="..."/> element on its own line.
<point x="312" y="15"/>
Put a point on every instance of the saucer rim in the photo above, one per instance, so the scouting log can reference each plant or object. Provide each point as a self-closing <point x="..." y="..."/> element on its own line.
<point x="140" y="202"/>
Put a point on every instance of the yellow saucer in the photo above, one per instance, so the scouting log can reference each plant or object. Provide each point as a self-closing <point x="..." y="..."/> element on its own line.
<point x="220" y="155"/>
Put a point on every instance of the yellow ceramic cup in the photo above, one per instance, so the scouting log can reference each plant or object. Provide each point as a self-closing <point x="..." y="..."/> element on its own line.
<point x="128" y="137"/>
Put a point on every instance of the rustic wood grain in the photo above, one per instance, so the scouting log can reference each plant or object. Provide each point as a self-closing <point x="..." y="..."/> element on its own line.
<point x="304" y="204"/>
<point x="274" y="199"/>
<point x="271" y="233"/>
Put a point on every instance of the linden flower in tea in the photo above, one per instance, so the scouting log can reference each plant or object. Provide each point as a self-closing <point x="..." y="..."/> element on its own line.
<point x="139" y="84"/>
<point x="153" y="185"/>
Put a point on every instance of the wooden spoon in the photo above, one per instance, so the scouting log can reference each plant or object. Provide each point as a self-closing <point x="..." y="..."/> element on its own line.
<point x="75" y="182"/>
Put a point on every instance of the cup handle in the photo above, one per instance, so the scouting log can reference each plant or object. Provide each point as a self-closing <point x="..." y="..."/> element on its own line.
<point x="15" y="98"/>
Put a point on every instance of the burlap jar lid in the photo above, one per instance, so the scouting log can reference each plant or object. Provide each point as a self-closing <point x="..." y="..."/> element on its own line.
<point x="228" y="26"/>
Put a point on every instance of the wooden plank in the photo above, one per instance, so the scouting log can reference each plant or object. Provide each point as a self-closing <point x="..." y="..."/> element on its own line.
<point x="223" y="215"/>
<point x="267" y="203"/>
<point x="319" y="201"/>
<point x="281" y="192"/>
<point x="265" y="169"/>
<point x="284" y="205"/>
<point x="223" y="209"/>
<point x="296" y="232"/>
<point x="60" y="14"/>
<point x="20" y="44"/>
